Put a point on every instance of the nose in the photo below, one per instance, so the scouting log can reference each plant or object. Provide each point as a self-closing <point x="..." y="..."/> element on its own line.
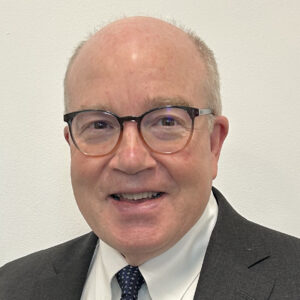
<point x="132" y="155"/>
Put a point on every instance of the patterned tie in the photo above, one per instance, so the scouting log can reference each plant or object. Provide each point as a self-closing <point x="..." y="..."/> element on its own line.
<point x="130" y="281"/>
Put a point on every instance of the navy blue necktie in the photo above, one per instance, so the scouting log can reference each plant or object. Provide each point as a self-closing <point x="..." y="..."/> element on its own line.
<point x="130" y="281"/>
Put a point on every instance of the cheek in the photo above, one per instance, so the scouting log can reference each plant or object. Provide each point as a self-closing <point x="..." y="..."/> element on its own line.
<point x="192" y="166"/>
<point x="82" y="173"/>
<point x="192" y="173"/>
<point x="85" y="175"/>
<point x="85" y="170"/>
<point x="194" y="180"/>
<point x="86" y="178"/>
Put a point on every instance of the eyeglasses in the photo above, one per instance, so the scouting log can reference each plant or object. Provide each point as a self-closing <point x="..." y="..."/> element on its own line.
<point x="165" y="129"/>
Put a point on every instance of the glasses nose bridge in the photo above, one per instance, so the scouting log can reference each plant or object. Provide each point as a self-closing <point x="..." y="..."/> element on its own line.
<point x="137" y="120"/>
<point x="134" y="119"/>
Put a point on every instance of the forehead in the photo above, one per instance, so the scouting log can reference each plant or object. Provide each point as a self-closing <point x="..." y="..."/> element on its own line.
<point x="148" y="104"/>
<point x="136" y="64"/>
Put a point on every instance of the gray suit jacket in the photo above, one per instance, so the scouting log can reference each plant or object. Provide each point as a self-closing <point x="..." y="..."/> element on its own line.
<point x="243" y="261"/>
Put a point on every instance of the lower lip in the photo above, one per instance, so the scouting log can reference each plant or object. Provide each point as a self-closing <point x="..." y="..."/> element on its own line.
<point x="137" y="207"/>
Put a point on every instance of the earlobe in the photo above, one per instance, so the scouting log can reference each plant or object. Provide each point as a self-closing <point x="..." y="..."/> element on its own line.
<point x="67" y="134"/>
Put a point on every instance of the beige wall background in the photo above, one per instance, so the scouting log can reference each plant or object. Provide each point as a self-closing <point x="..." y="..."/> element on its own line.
<point x="256" y="43"/>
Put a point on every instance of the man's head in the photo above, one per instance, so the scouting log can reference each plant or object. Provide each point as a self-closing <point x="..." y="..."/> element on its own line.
<point x="129" y="67"/>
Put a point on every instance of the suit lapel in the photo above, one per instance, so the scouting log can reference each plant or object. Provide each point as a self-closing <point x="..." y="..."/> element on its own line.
<point x="231" y="257"/>
<point x="65" y="276"/>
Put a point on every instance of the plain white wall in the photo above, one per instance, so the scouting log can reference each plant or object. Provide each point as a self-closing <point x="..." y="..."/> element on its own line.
<point x="256" y="44"/>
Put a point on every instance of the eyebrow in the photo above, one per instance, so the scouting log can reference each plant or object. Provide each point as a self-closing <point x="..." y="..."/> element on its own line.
<point x="163" y="101"/>
<point x="150" y="103"/>
<point x="95" y="107"/>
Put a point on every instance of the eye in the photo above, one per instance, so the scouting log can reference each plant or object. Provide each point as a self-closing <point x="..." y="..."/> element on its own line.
<point x="96" y="127"/>
<point x="167" y="121"/>
<point x="100" y="125"/>
<point x="164" y="122"/>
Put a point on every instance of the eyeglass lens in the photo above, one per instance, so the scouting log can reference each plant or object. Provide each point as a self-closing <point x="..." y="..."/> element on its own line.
<point x="164" y="130"/>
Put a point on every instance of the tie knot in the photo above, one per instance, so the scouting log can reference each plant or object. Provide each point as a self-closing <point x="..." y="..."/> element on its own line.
<point x="130" y="281"/>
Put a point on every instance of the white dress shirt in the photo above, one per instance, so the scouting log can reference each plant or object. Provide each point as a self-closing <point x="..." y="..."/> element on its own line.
<point x="173" y="275"/>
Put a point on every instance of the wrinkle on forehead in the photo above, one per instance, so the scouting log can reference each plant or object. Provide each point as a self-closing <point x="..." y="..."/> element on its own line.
<point x="149" y="103"/>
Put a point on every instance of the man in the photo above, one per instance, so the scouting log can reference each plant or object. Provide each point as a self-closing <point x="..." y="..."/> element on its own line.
<point x="145" y="132"/>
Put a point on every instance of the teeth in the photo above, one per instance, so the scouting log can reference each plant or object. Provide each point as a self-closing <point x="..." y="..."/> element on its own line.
<point x="139" y="196"/>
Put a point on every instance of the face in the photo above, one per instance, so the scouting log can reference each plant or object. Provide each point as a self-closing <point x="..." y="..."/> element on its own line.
<point x="129" y="69"/>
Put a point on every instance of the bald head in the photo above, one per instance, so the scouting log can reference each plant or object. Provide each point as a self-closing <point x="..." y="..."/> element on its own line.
<point x="138" y="43"/>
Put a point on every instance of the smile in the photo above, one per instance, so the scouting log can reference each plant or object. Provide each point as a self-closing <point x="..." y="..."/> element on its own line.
<point x="137" y="196"/>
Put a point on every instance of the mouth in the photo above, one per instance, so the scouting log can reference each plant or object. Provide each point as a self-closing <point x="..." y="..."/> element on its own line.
<point x="136" y="197"/>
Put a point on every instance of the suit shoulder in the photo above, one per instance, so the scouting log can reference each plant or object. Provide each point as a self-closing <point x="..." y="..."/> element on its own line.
<point x="275" y="239"/>
<point x="280" y="244"/>
<point x="280" y="251"/>
<point x="39" y="264"/>
<point x="242" y="227"/>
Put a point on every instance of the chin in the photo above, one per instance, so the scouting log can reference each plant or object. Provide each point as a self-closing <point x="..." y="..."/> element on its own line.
<point x="144" y="246"/>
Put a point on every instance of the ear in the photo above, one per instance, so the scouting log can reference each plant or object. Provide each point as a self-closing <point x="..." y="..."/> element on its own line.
<point x="67" y="134"/>
<point x="217" y="137"/>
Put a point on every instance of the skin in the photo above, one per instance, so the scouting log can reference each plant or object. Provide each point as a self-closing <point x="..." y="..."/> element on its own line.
<point x="129" y="67"/>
